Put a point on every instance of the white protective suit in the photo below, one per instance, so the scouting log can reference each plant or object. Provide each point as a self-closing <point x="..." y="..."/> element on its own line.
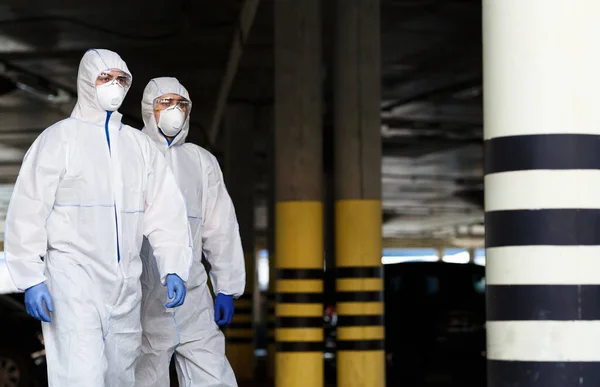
<point x="190" y="331"/>
<point x="88" y="191"/>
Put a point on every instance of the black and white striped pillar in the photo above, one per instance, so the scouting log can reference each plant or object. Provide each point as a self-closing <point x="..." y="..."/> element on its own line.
<point x="542" y="192"/>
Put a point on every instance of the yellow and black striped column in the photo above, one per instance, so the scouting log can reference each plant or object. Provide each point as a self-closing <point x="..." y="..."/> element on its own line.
<point x="271" y="349"/>
<point x="359" y="282"/>
<point x="271" y="295"/>
<point x="299" y="287"/>
<point x="239" y="173"/>
<point x="267" y="123"/>
<point x="359" y="288"/>
<point x="240" y="335"/>
<point x="299" y="208"/>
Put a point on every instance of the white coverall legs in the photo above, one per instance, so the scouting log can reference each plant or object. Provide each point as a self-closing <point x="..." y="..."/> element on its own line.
<point x="119" y="339"/>
<point x="192" y="337"/>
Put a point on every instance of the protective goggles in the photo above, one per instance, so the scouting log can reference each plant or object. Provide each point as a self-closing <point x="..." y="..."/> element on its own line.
<point x="122" y="79"/>
<point x="163" y="103"/>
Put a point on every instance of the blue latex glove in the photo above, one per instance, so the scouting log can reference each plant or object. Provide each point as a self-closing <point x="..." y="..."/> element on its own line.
<point x="175" y="290"/>
<point x="35" y="298"/>
<point x="223" y="309"/>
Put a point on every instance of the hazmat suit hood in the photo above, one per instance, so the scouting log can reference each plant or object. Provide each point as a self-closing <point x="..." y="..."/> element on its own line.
<point x="156" y="88"/>
<point x="94" y="62"/>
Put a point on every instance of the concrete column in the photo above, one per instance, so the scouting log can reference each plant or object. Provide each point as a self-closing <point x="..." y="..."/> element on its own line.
<point x="299" y="209"/>
<point x="267" y="121"/>
<point x="542" y="184"/>
<point x="359" y="285"/>
<point x="239" y="174"/>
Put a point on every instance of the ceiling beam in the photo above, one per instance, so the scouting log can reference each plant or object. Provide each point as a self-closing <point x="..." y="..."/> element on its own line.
<point x="395" y="126"/>
<point x="423" y="89"/>
<point x="242" y="31"/>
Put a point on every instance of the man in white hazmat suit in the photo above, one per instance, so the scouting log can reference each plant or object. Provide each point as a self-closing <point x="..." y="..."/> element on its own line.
<point x="190" y="332"/>
<point x="88" y="191"/>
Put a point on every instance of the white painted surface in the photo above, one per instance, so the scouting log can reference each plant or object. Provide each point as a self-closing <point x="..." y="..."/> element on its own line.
<point x="554" y="341"/>
<point x="542" y="189"/>
<point x="541" y="61"/>
<point x="543" y="265"/>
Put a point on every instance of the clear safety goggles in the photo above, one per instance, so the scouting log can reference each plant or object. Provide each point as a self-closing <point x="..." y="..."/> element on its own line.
<point x="122" y="79"/>
<point x="164" y="103"/>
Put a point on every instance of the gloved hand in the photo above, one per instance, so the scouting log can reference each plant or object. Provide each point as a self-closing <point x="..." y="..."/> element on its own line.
<point x="175" y="288"/>
<point x="223" y="309"/>
<point x="35" y="297"/>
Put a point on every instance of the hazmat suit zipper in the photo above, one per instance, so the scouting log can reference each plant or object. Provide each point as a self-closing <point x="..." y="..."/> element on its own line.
<point x="108" y="115"/>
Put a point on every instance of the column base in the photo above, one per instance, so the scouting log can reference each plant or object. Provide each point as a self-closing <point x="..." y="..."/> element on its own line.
<point x="299" y="369"/>
<point x="361" y="368"/>
<point x="241" y="358"/>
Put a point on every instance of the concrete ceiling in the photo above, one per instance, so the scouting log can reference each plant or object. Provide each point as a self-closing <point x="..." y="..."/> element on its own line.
<point x="431" y="95"/>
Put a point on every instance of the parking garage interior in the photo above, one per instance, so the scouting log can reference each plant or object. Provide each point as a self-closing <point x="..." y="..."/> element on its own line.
<point x="353" y="127"/>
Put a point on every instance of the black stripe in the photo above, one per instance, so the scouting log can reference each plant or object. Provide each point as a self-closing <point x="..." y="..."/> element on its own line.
<point x="300" y="298"/>
<point x="360" y="345"/>
<point x="239" y="340"/>
<point x="246" y="296"/>
<point x="271" y="325"/>
<point x="359" y="272"/>
<point x="557" y="227"/>
<point x="240" y="325"/>
<point x="300" y="346"/>
<point x="299" y="274"/>
<point x="376" y="296"/>
<point x="543" y="302"/>
<point x="300" y="322"/>
<point x="542" y="151"/>
<point x="243" y="310"/>
<point x="356" y="321"/>
<point x="270" y="296"/>
<point x="543" y="374"/>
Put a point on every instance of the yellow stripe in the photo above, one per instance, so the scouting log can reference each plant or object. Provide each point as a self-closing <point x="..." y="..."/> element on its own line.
<point x="232" y="332"/>
<point x="299" y="334"/>
<point x="358" y="308"/>
<point x="298" y="286"/>
<point x="240" y="357"/>
<point x="299" y="310"/>
<point x="360" y="333"/>
<point x="358" y="232"/>
<point x="299" y="234"/>
<point x="359" y="284"/>
<point x="361" y="368"/>
<point x="243" y="303"/>
<point x="299" y="369"/>
<point x="242" y="318"/>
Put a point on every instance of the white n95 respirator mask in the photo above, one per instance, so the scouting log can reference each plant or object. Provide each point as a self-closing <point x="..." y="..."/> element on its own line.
<point x="110" y="96"/>
<point x="171" y="121"/>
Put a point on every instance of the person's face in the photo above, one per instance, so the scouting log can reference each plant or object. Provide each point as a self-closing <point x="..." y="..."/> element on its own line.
<point x="110" y="75"/>
<point x="166" y="101"/>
